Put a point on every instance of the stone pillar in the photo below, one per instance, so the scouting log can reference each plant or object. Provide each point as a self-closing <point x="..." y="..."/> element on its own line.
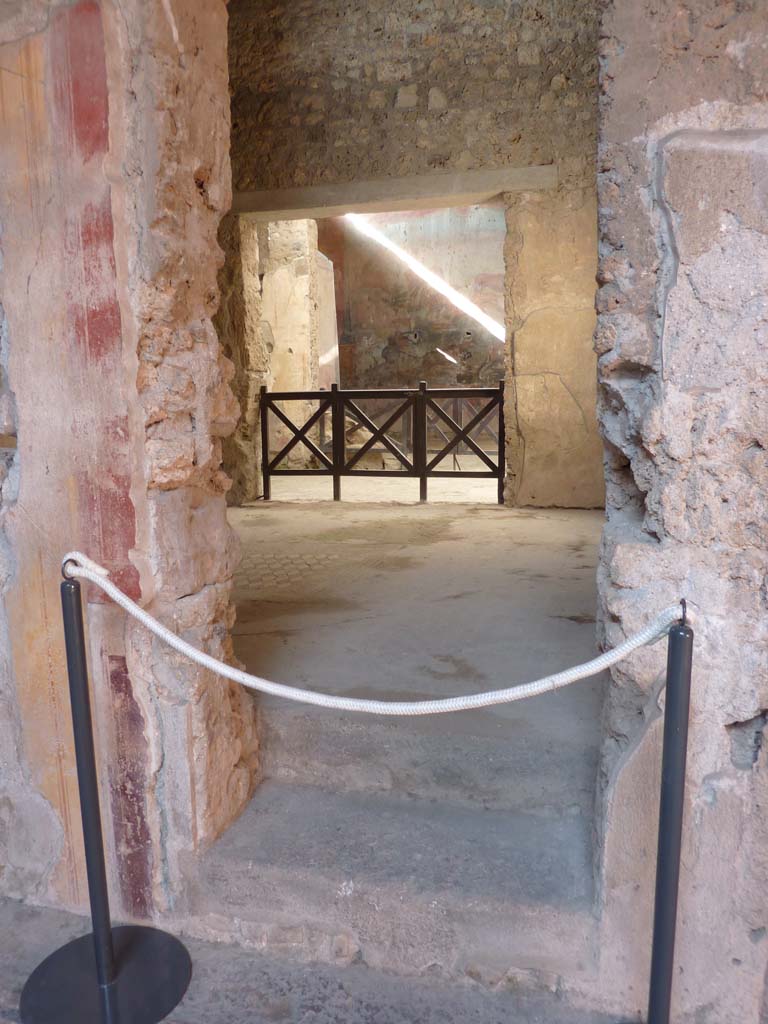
<point x="289" y="293"/>
<point x="327" y="327"/>
<point x="275" y="307"/>
<point x="169" y="83"/>
<point x="554" y="452"/>
<point x="245" y="341"/>
<point x="683" y="366"/>
<point x="289" y="301"/>
<point x="115" y="127"/>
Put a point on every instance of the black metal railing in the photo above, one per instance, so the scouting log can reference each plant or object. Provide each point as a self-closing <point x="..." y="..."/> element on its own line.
<point x="417" y="429"/>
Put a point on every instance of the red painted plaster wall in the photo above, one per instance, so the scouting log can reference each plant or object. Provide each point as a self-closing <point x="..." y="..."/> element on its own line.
<point x="73" y="383"/>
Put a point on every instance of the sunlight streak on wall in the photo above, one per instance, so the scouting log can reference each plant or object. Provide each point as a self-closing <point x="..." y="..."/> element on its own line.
<point x="445" y="354"/>
<point x="428" y="276"/>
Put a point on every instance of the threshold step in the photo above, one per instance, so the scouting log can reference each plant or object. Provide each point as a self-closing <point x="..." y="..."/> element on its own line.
<point x="231" y="985"/>
<point x="530" y="759"/>
<point x="406" y="885"/>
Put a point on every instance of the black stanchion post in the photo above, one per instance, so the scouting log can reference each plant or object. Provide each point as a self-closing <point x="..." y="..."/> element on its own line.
<point x="129" y="974"/>
<point x="79" y="696"/>
<point x="677" y="703"/>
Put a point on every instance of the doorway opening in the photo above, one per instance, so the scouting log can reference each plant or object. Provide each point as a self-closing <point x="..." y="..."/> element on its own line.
<point x="377" y="306"/>
<point x="460" y="845"/>
<point x="463" y="841"/>
<point x="479" y="819"/>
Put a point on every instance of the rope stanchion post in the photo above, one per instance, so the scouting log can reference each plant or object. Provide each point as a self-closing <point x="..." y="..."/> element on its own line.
<point x="128" y="974"/>
<point x="77" y="670"/>
<point x="676" y="711"/>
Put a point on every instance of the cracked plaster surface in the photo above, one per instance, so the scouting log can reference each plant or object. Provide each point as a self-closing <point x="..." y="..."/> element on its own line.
<point x="680" y="339"/>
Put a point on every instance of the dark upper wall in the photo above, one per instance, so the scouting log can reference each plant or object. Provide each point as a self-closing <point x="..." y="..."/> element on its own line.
<point x="358" y="89"/>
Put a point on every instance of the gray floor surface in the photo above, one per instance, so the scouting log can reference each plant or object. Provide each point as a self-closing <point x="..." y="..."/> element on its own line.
<point x="409" y="602"/>
<point x="235" y="986"/>
<point x="460" y="843"/>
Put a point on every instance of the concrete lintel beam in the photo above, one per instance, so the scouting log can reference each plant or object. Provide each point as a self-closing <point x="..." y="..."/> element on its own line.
<point x="423" y="191"/>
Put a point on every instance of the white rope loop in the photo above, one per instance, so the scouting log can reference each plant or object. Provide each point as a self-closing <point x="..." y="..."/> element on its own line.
<point x="77" y="565"/>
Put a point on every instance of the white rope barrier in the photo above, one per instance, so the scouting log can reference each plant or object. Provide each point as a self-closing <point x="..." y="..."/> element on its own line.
<point x="77" y="565"/>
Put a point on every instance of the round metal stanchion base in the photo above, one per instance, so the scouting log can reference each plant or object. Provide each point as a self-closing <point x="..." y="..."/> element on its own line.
<point x="153" y="972"/>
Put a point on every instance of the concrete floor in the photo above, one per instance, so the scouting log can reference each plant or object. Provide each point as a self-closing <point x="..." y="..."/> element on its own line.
<point x="386" y="489"/>
<point x="456" y="844"/>
<point x="425" y="601"/>
<point x="236" y="986"/>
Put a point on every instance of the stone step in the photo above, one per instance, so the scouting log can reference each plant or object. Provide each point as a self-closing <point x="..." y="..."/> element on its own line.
<point x="416" y="887"/>
<point x="518" y="759"/>
<point x="231" y="985"/>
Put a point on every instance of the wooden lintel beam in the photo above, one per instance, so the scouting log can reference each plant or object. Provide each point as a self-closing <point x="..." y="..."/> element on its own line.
<point x="418" y="192"/>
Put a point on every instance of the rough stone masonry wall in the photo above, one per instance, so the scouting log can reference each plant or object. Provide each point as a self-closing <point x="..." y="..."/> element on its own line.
<point x="356" y="89"/>
<point x="359" y="90"/>
<point x="173" y="101"/>
<point x="115" y="172"/>
<point x="683" y="359"/>
<point x="246" y="340"/>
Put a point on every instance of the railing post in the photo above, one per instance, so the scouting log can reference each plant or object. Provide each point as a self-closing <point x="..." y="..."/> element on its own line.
<point x="502" y="449"/>
<point x="671" y="806"/>
<point x="457" y="411"/>
<point x="420" y="446"/>
<point x="321" y="428"/>
<point x="338" y="440"/>
<point x="125" y="975"/>
<point x="264" y="419"/>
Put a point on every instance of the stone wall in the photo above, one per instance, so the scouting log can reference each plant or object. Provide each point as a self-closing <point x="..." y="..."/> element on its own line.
<point x="288" y="269"/>
<point x="246" y="341"/>
<point x="270" y="320"/>
<point x="554" y="452"/>
<point x="116" y="173"/>
<point x="362" y="91"/>
<point x="682" y="349"/>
